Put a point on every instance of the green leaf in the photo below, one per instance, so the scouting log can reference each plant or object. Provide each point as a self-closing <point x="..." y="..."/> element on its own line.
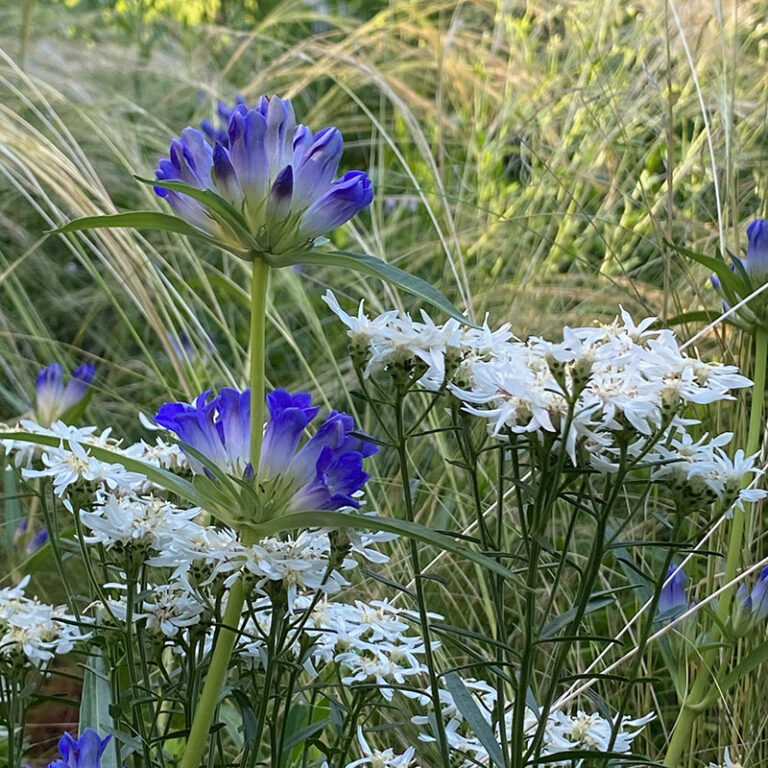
<point x="95" y="701"/>
<point x="471" y="713"/>
<point x="143" y="220"/>
<point x="754" y="659"/>
<point x="718" y="266"/>
<point x="370" y="265"/>
<point x="699" y="316"/>
<point x="329" y="519"/>
<point x="221" y="209"/>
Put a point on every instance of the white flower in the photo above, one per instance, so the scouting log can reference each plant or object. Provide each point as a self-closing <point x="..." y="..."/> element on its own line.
<point x="145" y="521"/>
<point x="32" y="631"/>
<point x="375" y="758"/>
<point x="67" y="467"/>
<point x="727" y="761"/>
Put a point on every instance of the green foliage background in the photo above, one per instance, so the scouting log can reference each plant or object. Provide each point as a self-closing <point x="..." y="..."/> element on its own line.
<point x="529" y="158"/>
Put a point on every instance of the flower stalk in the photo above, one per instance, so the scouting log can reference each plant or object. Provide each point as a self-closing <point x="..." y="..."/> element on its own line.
<point x="225" y="640"/>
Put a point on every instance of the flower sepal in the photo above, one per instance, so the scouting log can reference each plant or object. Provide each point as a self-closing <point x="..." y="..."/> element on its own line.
<point x="223" y="222"/>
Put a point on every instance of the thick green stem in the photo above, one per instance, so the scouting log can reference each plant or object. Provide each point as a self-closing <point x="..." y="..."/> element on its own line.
<point x="225" y="640"/>
<point x="694" y="702"/>
<point x="259" y="283"/>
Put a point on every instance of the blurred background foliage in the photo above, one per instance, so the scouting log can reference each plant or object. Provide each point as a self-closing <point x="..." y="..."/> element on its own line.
<point x="532" y="159"/>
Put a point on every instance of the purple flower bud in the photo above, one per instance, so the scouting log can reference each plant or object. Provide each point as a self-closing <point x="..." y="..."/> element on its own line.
<point x="52" y="398"/>
<point x="37" y="541"/>
<point x="672" y="601"/>
<point x="316" y="166"/>
<point x="248" y="154"/>
<point x="225" y="177"/>
<point x="756" y="261"/>
<point x="757" y="600"/>
<point x="345" y="198"/>
<point x="278" y="140"/>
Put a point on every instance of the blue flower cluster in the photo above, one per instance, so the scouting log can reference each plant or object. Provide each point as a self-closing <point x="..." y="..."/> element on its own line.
<point x="84" y="752"/>
<point x="279" y="174"/>
<point x="324" y="473"/>
<point x="52" y="399"/>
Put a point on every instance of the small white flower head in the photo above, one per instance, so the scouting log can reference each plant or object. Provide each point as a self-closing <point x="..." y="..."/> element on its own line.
<point x="32" y="633"/>
<point x="76" y="466"/>
<point x="375" y="758"/>
<point x="137" y="526"/>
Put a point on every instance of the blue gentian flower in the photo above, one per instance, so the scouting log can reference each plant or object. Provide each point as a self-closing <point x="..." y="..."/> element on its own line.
<point x="756" y="602"/>
<point x="217" y="428"/>
<point x="672" y="601"/>
<point x="324" y="473"/>
<point x="84" y="752"/>
<point x="53" y="399"/>
<point x="280" y="175"/>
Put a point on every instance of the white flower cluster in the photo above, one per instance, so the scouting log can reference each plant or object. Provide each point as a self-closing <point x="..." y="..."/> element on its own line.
<point x="168" y="608"/>
<point x="31" y="632"/>
<point x="71" y="462"/>
<point x="563" y="732"/>
<point x="432" y="354"/>
<point x="703" y="471"/>
<point x="147" y="530"/>
<point x="369" y="641"/>
<point x="606" y="391"/>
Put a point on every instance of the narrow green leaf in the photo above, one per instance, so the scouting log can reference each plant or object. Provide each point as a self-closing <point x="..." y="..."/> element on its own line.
<point x="699" y="316"/>
<point x="370" y="265"/>
<point x="471" y="713"/>
<point x="718" y="266"/>
<point x="95" y="701"/>
<point x="754" y="659"/>
<point x="329" y="519"/>
<point x="143" y="220"/>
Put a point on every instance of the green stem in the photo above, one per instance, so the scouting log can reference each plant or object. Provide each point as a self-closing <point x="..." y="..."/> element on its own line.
<point x="225" y="640"/>
<point x="259" y="282"/>
<point x="442" y="740"/>
<point x="694" y="702"/>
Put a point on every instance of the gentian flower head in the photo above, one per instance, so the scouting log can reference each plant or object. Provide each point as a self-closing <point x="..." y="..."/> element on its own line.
<point x="84" y="752"/>
<point x="324" y="473"/>
<point x="280" y="176"/>
<point x="672" y="601"/>
<point x="52" y="399"/>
